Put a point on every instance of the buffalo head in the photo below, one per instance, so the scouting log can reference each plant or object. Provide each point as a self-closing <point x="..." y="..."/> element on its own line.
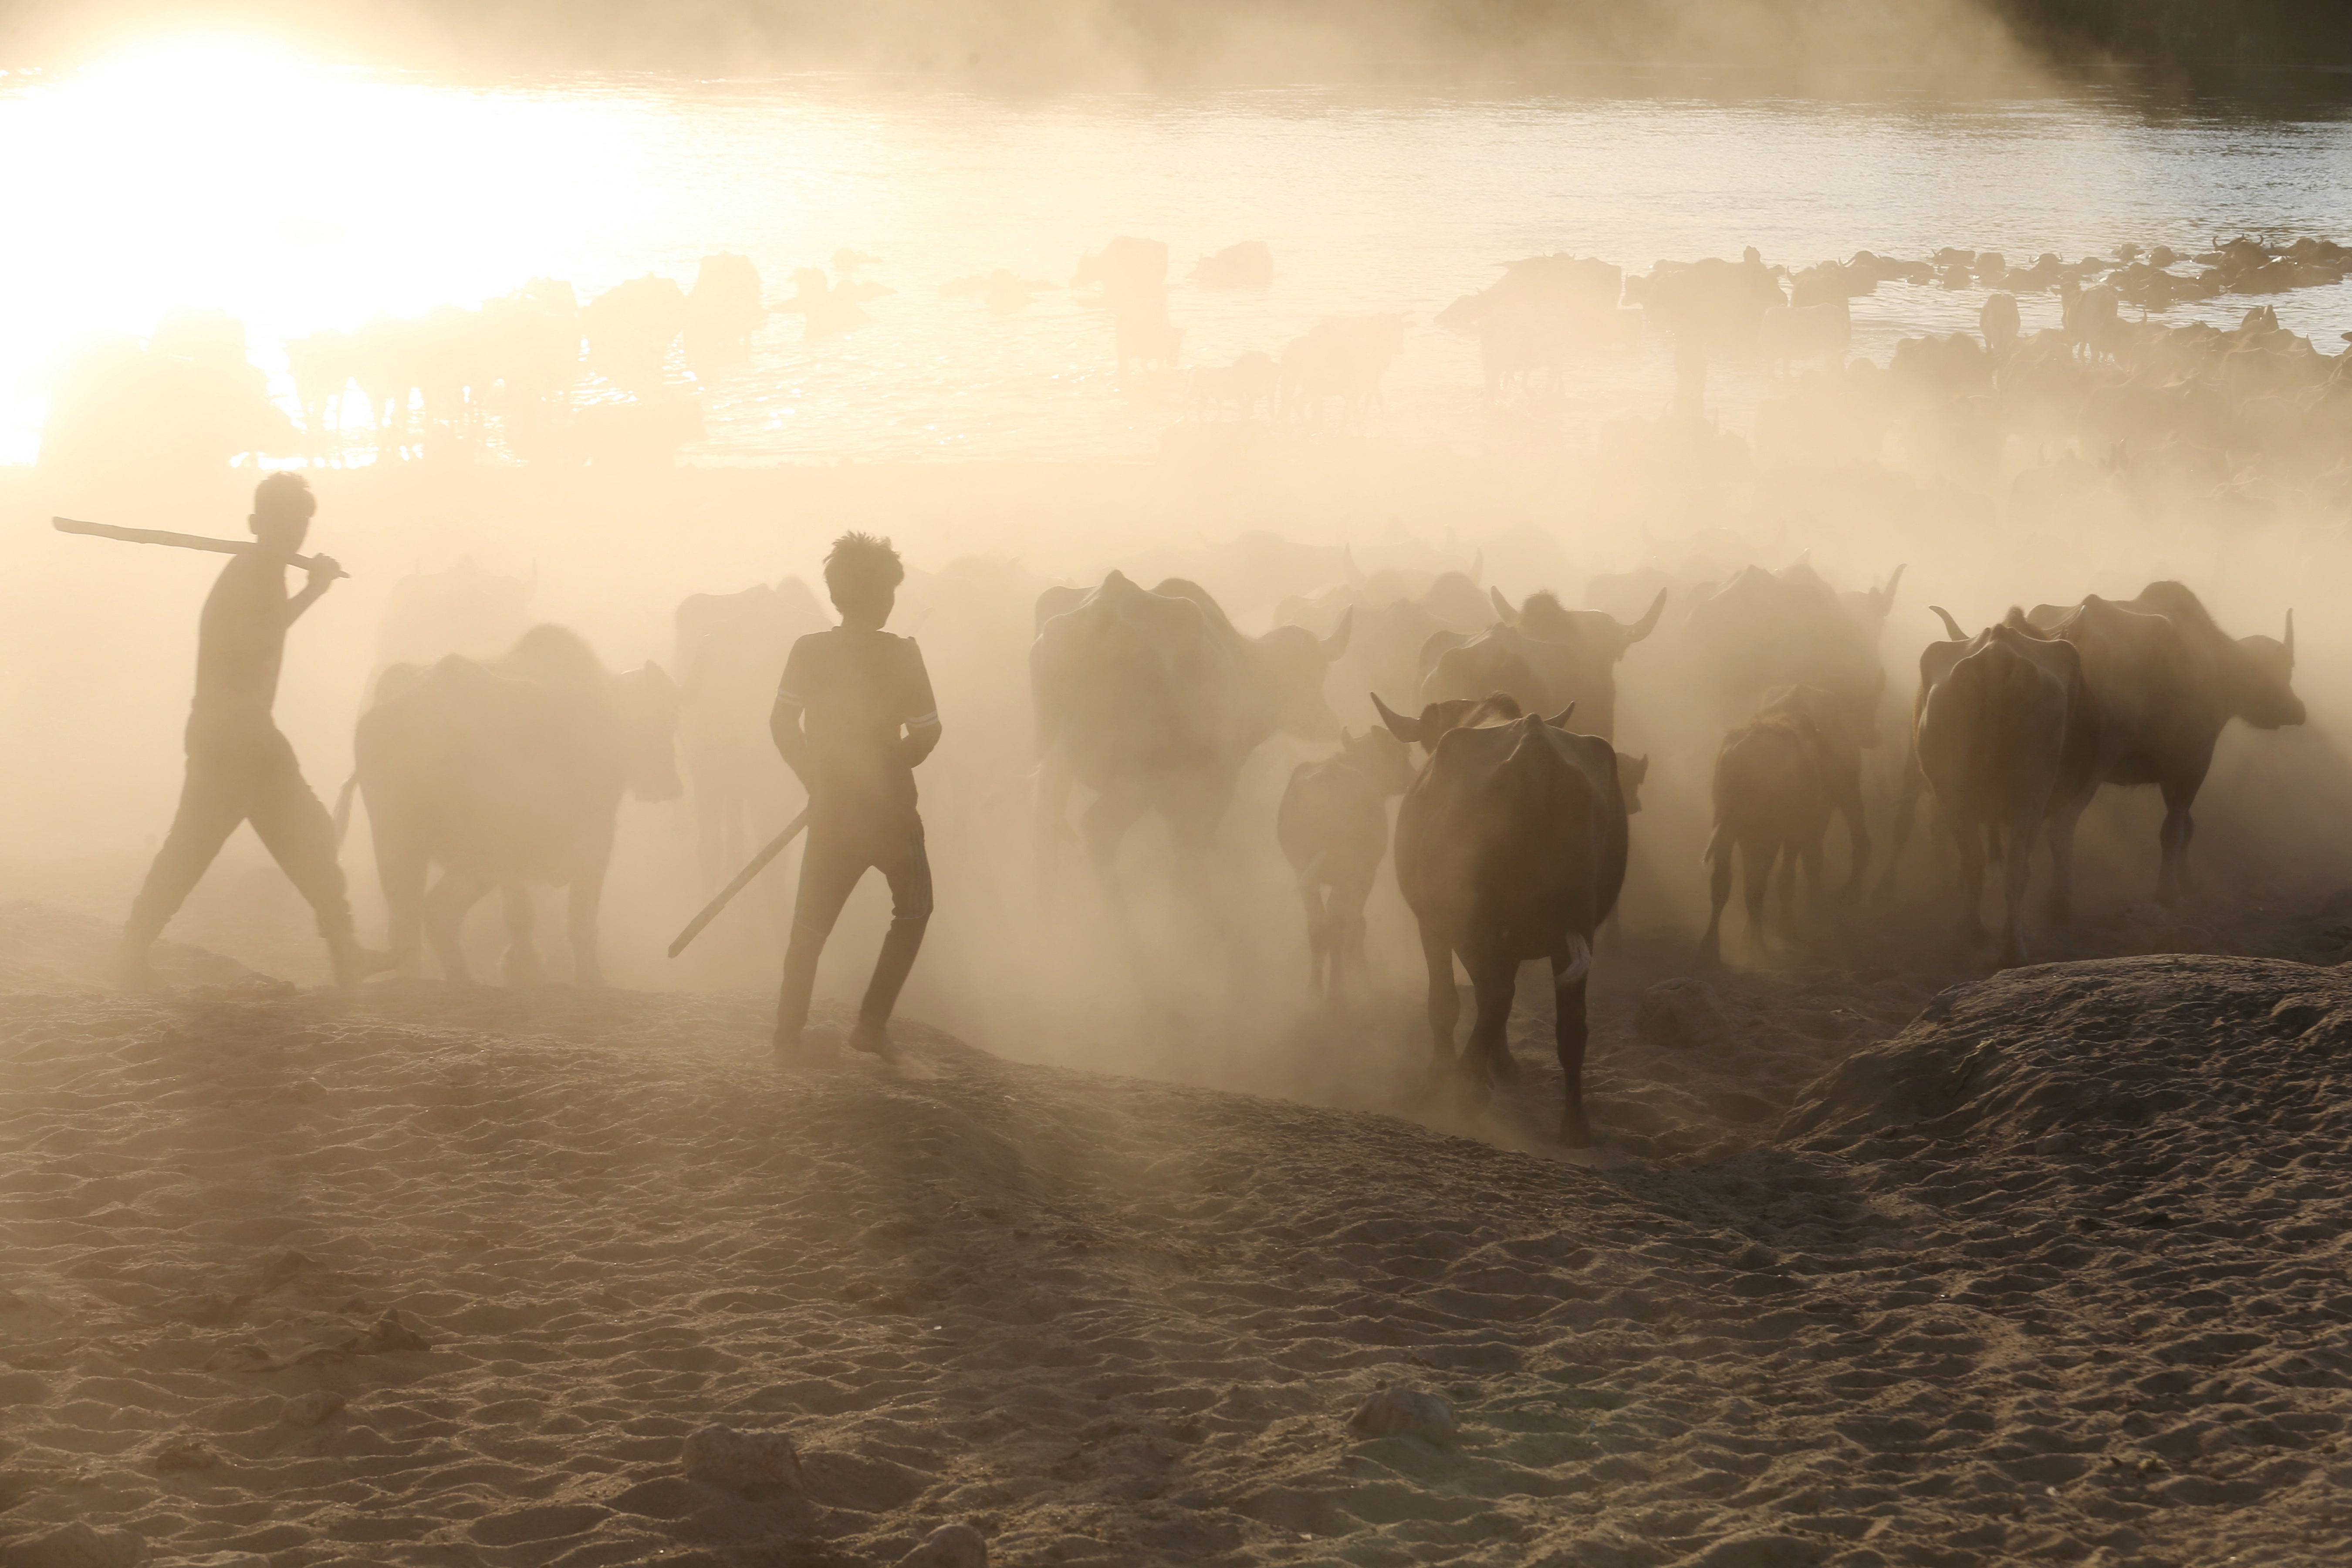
<point x="1380" y="756"/>
<point x="1630" y="772"/>
<point x="1295" y="662"/>
<point x="2260" y="689"/>
<point x="645" y="701"/>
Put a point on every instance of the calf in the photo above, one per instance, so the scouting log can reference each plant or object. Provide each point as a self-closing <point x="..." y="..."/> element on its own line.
<point x="1333" y="825"/>
<point x="1771" y="799"/>
<point x="1510" y="845"/>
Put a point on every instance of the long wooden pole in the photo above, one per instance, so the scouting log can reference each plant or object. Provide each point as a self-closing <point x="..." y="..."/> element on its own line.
<point x="742" y="879"/>
<point x="177" y="541"/>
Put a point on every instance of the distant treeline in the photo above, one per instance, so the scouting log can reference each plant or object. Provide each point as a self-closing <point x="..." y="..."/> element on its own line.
<point x="1181" y="35"/>
<point x="1208" y="38"/>
<point x="2189" y="32"/>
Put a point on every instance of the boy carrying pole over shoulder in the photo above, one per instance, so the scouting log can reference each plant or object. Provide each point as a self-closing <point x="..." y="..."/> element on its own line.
<point x="240" y="768"/>
<point x="854" y="717"/>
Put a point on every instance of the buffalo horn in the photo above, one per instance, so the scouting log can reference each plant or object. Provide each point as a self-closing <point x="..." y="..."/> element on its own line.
<point x="1559" y="719"/>
<point x="1402" y="728"/>
<point x="1503" y="611"/>
<point x="1951" y="626"/>
<point x="1635" y="631"/>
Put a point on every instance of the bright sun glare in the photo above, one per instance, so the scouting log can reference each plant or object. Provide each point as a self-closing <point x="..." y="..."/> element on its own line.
<point x="208" y="62"/>
<point x="230" y="171"/>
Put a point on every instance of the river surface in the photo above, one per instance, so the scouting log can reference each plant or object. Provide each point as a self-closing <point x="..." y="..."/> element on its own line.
<point x="300" y="198"/>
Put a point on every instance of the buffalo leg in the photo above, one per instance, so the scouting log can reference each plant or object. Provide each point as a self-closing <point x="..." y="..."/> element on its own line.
<point x="520" y="966"/>
<point x="2172" y="838"/>
<point x="1907" y="806"/>
<point x="401" y="864"/>
<point x="1050" y="821"/>
<point x="1718" y="886"/>
<point x="1569" y="975"/>
<point x="1486" y="1056"/>
<point x="1757" y="853"/>
<point x="1444" y="1001"/>
<point x="1968" y="839"/>
<point x="580" y="906"/>
<point x="1857" y="832"/>
<point x="458" y="890"/>
<point x="1344" y="927"/>
<point x="1318" y="936"/>
<point x="2062" y="860"/>
<point x="2016" y="871"/>
<point x="1105" y="824"/>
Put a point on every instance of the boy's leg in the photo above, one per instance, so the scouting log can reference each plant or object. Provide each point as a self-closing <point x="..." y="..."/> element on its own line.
<point x="908" y="868"/>
<point x="212" y="804"/>
<point x="300" y="836"/>
<point x="830" y="867"/>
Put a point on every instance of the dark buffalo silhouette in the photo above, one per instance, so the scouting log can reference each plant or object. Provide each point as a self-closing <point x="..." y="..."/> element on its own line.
<point x="2166" y="679"/>
<point x="1154" y="700"/>
<point x="1764" y="629"/>
<point x="1510" y="845"/>
<point x="2008" y="739"/>
<point x="506" y="774"/>
<point x="1545" y="655"/>
<point x="1772" y="804"/>
<point x="1333" y="827"/>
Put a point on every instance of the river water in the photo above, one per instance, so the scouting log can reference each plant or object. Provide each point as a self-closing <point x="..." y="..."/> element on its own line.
<point x="299" y="197"/>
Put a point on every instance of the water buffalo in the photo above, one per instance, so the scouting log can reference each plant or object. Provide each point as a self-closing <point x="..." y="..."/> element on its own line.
<point x="1333" y="827"/>
<point x="504" y="774"/>
<point x="2008" y="739"/>
<point x="1543" y="654"/>
<point x="1771" y="801"/>
<point x="1510" y="845"/>
<point x="1344" y="357"/>
<point x="1154" y="700"/>
<point x="1766" y="629"/>
<point x="2166" y="679"/>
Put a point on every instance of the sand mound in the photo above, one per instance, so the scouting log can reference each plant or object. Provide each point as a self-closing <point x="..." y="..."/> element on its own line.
<point x="451" y="1277"/>
<point x="2206" y="1057"/>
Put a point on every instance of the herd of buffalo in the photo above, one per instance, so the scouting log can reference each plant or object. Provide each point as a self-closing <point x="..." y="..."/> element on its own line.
<point x="1496" y="728"/>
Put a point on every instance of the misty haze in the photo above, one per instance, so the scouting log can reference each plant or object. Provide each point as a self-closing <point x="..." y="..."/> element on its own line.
<point x="979" y="784"/>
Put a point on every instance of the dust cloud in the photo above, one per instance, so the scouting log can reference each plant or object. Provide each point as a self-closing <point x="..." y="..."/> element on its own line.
<point x="1232" y="434"/>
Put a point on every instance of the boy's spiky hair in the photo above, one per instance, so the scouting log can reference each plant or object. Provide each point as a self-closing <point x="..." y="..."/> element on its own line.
<point x="859" y="561"/>
<point x="283" y="493"/>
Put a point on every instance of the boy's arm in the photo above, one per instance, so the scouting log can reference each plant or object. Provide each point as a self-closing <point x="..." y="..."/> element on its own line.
<point x="323" y="572"/>
<point x="784" y="718"/>
<point x="923" y="723"/>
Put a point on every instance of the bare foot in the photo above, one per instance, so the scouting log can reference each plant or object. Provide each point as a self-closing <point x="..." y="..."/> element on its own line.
<point x="129" y="972"/>
<point x="874" y="1039"/>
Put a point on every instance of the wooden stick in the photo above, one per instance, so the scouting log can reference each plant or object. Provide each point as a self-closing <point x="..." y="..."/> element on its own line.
<point x="177" y="541"/>
<point x="742" y="879"/>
